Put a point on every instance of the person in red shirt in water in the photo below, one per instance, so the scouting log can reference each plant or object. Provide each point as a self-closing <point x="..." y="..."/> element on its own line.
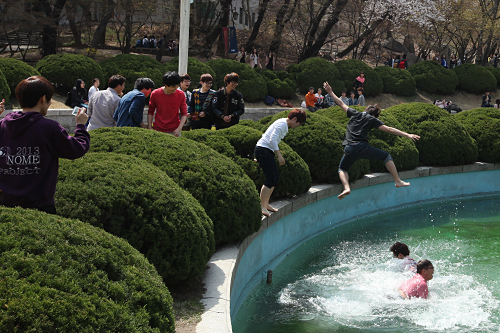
<point x="417" y="285"/>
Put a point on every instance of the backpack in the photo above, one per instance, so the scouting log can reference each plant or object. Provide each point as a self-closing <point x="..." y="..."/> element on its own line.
<point x="68" y="98"/>
<point x="145" y="43"/>
<point x="402" y="64"/>
<point x="269" y="100"/>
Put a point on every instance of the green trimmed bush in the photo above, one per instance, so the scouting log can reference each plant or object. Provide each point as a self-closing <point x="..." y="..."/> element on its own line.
<point x="434" y="78"/>
<point x="495" y="71"/>
<point x="314" y="72"/>
<point x="402" y="150"/>
<point x="4" y="88"/>
<point x="397" y="81"/>
<point x="474" y="78"/>
<point x="483" y="124"/>
<point x="251" y="85"/>
<point x="15" y="71"/>
<point x="319" y="143"/>
<point x="132" y="67"/>
<point x="64" y="69"/>
<point x="135" y="200"/>
<point x="222" y="188"/>
<point x="349" y="70"/>
<point x="281" y="89"/>
<point x="253" y="124"/>
<point x="195" y="70"/>
<point x="293" y="70"/>
<point x="294" y="175"/>
<point x="443" y="141"/>
<point x="62" y="275"/>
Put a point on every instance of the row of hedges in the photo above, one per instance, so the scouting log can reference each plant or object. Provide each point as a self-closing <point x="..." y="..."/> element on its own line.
<point x="64" y="69"/>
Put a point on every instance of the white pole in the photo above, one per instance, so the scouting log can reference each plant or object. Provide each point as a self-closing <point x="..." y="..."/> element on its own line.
<point x="184" y="36"/>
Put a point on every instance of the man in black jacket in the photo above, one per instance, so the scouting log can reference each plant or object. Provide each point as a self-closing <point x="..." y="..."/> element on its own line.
<point x="227" y="104"/>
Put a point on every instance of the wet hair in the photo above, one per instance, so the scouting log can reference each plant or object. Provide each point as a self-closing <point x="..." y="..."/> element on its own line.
<point x="144" y="83"/>
<point x="361" y="89"/>
<point x="95" y="80"/>
<point x="30" y="90"/>
<point x="206" y="78"/>
<point x="231" y="77"/>
<point x="423" y="264"/>
<point x="185" y="76"/>
<point x="373" y="110"/>
<point x="115" y="81"/>
<point x="299" y="114"/>
<point x="398" y="248"/>
<point x="171" y="79"/>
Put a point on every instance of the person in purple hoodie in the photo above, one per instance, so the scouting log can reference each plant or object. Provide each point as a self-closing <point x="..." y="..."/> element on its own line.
<point x="31" y="145"/>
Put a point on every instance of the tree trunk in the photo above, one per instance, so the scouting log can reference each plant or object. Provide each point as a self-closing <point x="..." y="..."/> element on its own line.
<point x="313" y="46"/>
<point x="101" y="28"/>
<point x="217" y="31"/>
<point x="255" y="31"/>
<point x="49" y="28"/>
<point x="281" y="20"/>
<point x="361" y="38"/>
<point x="77" y="33"/>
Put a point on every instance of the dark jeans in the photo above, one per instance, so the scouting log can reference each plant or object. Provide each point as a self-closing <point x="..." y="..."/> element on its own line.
<point x="363" y="150"/>
<point x="265" y="157"/>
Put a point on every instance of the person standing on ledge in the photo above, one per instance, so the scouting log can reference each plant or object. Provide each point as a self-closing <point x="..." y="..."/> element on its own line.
<point x="356" y="144"/>
<point x="417" y="285"/>
<point x="267" y="148"/>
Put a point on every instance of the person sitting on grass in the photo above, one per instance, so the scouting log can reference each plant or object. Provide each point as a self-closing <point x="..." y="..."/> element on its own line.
<point x="267" y="148"/>
<point x="32" y="145"/>
<point x="486" y="101"/>
<point x="352" y="99"/>
<point x="311" y="100"/>
<point x="356" y="144"/>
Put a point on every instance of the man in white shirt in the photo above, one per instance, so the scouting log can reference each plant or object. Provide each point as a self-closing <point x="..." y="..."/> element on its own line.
<point x="104" y="103"/>
<point x="267" y="148"/>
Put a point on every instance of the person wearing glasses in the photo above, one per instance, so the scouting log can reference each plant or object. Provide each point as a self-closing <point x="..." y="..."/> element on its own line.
<point x="417" y="285"/>
<point x="228" y="104"/>
<point x="200" y="106"/>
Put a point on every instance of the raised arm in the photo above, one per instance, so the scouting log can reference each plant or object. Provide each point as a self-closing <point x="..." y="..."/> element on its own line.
<point x="337" y="100"/>
<point x="395" y="131"/>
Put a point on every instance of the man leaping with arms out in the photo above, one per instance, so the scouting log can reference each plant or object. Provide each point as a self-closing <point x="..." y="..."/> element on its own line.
<point x="356" y="144"/>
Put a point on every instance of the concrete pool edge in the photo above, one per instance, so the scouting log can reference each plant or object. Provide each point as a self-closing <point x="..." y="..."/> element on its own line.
<point x="223" y="266"/>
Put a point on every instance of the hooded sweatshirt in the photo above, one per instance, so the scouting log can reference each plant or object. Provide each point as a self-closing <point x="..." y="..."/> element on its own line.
<point x="30" y="147"/>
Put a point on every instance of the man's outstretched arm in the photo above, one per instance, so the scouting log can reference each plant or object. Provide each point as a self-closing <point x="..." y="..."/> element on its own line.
<point x="395" y="131"/>
<point x="337" y="100"/>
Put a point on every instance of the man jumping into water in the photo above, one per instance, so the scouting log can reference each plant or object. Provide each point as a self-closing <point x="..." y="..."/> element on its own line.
<point x="356" y="144"/>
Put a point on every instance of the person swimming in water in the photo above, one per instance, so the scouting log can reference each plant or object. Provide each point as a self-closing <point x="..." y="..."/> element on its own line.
<point x="406" y="264"/>
<point x="417" y="285"/>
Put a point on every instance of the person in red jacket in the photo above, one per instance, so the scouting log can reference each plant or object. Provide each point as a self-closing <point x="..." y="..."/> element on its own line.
<point x="311" y="100"/>
<point x="165" y="104"/>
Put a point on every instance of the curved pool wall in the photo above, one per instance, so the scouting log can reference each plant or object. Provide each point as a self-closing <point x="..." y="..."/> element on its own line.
<point x="319" y="210"/>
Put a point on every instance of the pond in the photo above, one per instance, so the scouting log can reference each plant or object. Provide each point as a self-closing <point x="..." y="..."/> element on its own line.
<point x="343" y="280"/>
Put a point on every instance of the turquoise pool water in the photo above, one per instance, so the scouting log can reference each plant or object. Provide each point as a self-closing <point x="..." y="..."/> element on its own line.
<point x="342" y="280"/>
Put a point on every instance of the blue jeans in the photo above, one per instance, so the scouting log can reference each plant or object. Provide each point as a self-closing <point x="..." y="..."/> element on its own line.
<point x="265" y="157"/>
<point x="363" y="150"/>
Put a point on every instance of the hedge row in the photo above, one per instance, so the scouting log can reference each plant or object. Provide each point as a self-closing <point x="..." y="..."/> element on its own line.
<point x="15" y="71"/>
<point x="63" y="275"/>
<point x="216" y="182"/>
<point x="238" y="143"/>
<point x="135" y="200"/>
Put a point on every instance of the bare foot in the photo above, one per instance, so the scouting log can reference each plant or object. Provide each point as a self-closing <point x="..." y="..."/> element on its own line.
<point x="344" y="194"/>
<point x="402" y="184"/>
<point x="265" y="212"/>
<point x="271" y="208"/>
